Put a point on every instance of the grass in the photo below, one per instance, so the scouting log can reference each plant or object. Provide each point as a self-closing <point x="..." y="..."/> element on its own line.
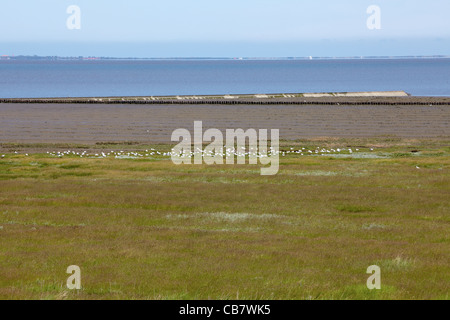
<point x="147" y="229"/>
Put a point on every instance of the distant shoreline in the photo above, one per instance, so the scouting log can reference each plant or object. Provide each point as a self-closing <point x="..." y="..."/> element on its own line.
<point x="343" y="98"/>
<point x="100" y="58"/>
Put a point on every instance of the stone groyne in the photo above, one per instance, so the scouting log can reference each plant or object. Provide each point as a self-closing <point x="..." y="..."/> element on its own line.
<point x="363" y="98"/>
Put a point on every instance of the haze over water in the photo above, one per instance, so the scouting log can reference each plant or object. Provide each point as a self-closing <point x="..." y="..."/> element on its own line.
<point x="22" y="79"/>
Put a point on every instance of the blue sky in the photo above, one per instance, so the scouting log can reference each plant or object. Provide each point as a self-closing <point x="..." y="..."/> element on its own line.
<point x="255" y="28"/>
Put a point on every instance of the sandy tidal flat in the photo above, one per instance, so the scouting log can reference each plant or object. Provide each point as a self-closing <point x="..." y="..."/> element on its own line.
<point x="75" y="123"/>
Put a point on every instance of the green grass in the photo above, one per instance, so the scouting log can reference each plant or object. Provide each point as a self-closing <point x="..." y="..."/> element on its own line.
<point x="147" y="229"/>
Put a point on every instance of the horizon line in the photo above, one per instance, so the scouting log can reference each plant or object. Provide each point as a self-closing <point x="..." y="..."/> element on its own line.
<point x="90" y="57"/>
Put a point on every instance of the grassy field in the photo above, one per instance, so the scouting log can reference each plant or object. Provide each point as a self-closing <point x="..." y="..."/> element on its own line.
<point x="147" y="229"/>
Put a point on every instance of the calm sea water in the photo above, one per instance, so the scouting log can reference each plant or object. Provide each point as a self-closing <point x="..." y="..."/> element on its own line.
<point x="142" y="78"/>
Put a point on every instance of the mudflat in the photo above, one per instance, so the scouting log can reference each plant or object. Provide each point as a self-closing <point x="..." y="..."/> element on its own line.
<point x="94" y="123"/>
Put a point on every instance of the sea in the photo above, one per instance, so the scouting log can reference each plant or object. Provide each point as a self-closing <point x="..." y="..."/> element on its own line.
<point x="103" y="78"/>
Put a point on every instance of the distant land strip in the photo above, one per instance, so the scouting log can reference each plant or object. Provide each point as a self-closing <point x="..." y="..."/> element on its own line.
<point x="101" y="58"/>
<point x="342" y="98"/>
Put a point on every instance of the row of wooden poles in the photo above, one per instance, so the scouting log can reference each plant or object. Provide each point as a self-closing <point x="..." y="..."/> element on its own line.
<point x="224" y="102"/>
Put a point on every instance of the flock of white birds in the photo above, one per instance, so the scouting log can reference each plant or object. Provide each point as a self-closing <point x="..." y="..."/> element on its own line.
<point x="243" y="152"/>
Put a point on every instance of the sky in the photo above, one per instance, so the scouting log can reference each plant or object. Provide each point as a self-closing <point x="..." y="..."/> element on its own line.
<point x="231" y="28"/>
